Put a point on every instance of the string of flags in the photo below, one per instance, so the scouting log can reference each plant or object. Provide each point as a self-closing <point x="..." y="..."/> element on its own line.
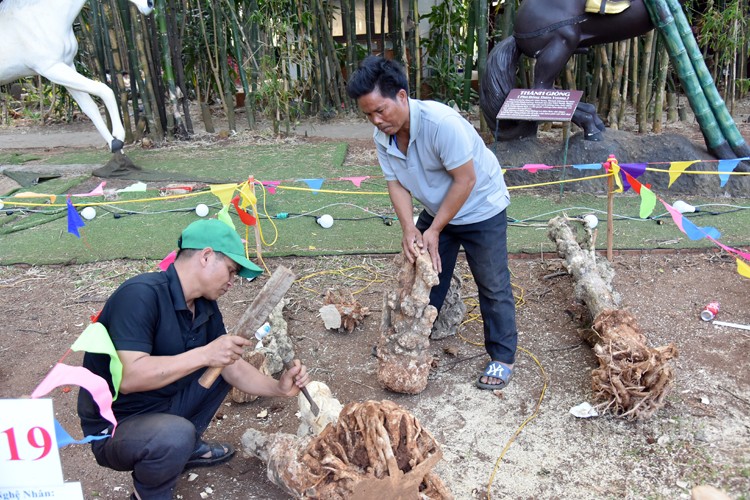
<point x="242" y="197"/>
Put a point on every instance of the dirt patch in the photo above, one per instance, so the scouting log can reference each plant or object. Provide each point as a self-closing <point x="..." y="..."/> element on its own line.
<point x="701" y="436"/>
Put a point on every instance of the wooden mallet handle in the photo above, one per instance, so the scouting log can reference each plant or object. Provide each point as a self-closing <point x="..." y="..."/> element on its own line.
<point x="255" y="315"/>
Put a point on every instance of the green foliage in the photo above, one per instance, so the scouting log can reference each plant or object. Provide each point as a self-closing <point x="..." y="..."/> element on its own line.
<point x="447" y="50"/>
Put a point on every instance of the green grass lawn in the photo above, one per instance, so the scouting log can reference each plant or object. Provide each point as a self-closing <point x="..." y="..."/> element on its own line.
<point x="146" y="226"/>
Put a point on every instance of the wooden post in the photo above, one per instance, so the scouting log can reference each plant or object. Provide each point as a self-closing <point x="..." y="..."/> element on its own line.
<point x="256" y="227"/>
<point x="610" y="209"/>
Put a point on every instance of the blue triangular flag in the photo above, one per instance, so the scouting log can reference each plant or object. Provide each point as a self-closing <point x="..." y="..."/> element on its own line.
<point x="588" y="166"/>
<point x="64" y="439"/>
<point x="314" y="184"/>
<point x="726" y="166"/>
<point x="74" y="220"/>
<point x="697" y="233"/>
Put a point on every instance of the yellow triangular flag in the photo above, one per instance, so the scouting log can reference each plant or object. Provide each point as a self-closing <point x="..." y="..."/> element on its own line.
<point x="676" y="168"/>
<point x="223" y="192"/>
<point x="743" y="268"/>
<point x="618" y="180"/>
<point x="248" y="197"/>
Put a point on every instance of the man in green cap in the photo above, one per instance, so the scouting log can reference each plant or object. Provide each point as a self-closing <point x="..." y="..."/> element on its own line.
<point x="167" y="329"/>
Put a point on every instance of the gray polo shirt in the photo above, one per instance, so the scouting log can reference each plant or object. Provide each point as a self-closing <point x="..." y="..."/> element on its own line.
<point x="441" y="140"/>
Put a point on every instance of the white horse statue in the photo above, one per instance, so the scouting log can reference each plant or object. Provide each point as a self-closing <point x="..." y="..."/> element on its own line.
<point x="36" y="38"/>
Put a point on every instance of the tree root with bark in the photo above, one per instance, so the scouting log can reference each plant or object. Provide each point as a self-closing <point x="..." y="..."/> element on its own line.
<point x="375" y="450"/>
<point x="632" y="379"/>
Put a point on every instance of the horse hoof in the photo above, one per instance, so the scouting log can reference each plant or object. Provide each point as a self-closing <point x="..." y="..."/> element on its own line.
<point x="117" y="145"/>
<point x="598" y="136"/>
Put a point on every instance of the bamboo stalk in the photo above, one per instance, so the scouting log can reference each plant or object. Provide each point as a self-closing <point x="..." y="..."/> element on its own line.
<point x="706" y="82"/>
<point x="615" y="96"/>
<point x="665" y="22"/>
<point x="661" y="81"/>
<point x="641" y="115"/>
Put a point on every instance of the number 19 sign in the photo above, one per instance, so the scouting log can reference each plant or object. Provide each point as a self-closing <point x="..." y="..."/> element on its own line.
<point x="28" y="448"/>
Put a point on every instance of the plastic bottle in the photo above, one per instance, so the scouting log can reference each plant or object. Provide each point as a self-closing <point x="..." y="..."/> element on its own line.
<point x="261" y="332"/>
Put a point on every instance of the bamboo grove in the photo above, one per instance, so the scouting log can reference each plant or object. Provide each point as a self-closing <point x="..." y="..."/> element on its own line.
<point x="277" y="61"/>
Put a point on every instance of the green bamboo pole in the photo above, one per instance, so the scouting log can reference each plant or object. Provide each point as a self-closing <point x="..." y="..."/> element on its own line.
<point x="641" y="115"/>
<point x="237" y="37"/>
<point x="616" y="95"/>
<point x="664" y="21"/>
<point x="661" y="81"/>
<point x="482" y="30"/>
<point x="625" y="84"/>
<point x="176" y="20"/>
<point x="718" y="107"/>
<point x="469" y="62"/>
<point x="149" y="82"/>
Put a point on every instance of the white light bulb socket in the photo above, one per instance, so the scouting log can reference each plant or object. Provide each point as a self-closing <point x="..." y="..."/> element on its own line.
<point x="325" y="221"/>
<point x="88" y="213"/>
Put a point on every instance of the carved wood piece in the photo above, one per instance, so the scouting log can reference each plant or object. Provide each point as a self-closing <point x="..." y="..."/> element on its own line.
<point x="403" y="353"/>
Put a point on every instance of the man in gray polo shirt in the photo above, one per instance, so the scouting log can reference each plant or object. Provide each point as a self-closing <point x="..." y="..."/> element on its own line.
<point x="430" y="152"/>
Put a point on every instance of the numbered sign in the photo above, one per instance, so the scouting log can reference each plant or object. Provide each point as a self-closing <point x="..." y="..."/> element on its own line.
<point x="28" y="447"/>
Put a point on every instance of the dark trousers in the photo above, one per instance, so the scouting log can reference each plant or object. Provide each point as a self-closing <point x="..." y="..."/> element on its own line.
<point x="486" y="247"/>
<point x="157" y="445"/>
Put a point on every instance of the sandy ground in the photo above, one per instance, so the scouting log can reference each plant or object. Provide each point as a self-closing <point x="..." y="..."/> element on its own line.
<point x="520" y="443"/>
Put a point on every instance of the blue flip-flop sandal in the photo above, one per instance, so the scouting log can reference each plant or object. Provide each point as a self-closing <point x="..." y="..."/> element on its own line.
<point x="498" y="370"/>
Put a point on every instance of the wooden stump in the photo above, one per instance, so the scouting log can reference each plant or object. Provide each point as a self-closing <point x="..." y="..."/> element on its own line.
<point x="375" y="450"/>
<point x="403" y="348"/>
<point x="632" y="379"/>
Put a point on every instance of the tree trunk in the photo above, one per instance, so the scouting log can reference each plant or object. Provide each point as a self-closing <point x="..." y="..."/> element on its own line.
<point x="632" y="379"/>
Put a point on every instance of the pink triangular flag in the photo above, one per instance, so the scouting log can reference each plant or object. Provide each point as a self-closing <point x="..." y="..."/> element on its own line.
<point x="533" y="167"/>
<point x="357" y="181"/>
<point x="166" y="261"/>
<point x="271" y="186"/>
<point x="62" y="374"/>
<point x="98" y="190"/>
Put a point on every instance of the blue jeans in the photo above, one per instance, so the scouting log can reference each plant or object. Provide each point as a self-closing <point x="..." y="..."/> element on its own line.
<point x="157" y="445"/>
<point x="486" y="247"/>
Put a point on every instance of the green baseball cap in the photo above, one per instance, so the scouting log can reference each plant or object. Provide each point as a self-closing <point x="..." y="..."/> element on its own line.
<point x="222" y="238"/>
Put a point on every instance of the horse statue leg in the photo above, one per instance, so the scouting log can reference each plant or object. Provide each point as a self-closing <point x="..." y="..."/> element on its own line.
<point x="81" y="88"/>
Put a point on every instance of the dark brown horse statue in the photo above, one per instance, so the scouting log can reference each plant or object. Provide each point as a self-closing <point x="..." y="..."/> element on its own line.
<point x="551" y="31"/>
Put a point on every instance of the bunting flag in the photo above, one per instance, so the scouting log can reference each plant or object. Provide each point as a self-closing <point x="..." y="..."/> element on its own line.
<point x="74" y="219"/>
<point x="731" y="250"/>
<point x="648" y="198"/>
<point x="686" y="226"/>
<point x="224" y="217"/>
<point x="245" y="217"/>
<point x="97" y="191"/>
<point x="166" y="261"/>
<point x="96" y="339"/>
<point x="137" y="187"/>
<point x="29" y="194"/>
<point x="535" y="167"/>
<point x="271" y="186"/>
<point x="223" y="192"/>
<point x="357" y="181"/>
<point x="248" y="196"/>
<point x="611" y="165"/>
<point x="77" y="375"/>
<point x="588" y="166"/>
<point x="743" y="269"/>
<point x="634" y="169"/>
<point x="676" y="168"/>
<point x="313" y="184"/>
<point x="725" y="167"/>
<point x="64" y="439"/>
